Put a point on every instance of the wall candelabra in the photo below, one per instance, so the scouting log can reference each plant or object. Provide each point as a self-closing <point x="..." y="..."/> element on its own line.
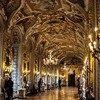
<point x="95" y="46"/>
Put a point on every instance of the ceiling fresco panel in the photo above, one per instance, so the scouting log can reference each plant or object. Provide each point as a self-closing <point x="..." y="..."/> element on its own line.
<point x="44" y="5"/>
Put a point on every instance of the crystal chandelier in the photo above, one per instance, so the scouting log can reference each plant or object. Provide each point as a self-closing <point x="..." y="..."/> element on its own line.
<point x="64" y="67"/>
<point x="50" y="60"/>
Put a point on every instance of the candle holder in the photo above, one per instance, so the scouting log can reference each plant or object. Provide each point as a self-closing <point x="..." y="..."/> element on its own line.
<point x="95" y="47"/>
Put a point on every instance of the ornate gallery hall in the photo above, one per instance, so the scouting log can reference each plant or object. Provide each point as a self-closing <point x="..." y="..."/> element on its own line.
<point x="50" y="49"/>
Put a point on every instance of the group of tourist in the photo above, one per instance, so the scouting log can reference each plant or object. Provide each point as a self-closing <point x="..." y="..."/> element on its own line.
<point x="8" y="88"/>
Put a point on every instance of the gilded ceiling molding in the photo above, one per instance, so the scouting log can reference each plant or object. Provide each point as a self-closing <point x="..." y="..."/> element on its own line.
<point x="86" y="2"/>
<point x="30" y="38"/>
<point x="36" y="39"/>
<point x="51" y="42"/>
<point x="76" y="5"/>
<point x="30" y="45"/>
<point x="81" y="52"/>
<point x="33" y="27"/>
<point x="3" y="18"/>
<point x="69" y="60"/>
<point x="32" y="41"/>
<point x="17" y="35"/>
<point x="11" y="19"/>
<point x="2" y="13"/>
<point x="23" y="18"/>
<point x="40" y="28"/>
<point x="68" y="49"/>
<point x="79" y="26"/>
<point x="44" y="6"/>
<point x="39" y="41"/>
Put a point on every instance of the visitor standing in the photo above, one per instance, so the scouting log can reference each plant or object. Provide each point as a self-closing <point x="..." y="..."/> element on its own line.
<point x="9" y="88"/>
<point x="59" y="83"/>
<point x="78" y="85"/>
<point x="39" y="85"/>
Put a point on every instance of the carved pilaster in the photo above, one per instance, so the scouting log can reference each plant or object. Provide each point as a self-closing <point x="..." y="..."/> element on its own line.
<point x="1" y="53"/>
<point x="32" y="65"/>
<point x="97" y="62"/>
<point x="1" y="47"/>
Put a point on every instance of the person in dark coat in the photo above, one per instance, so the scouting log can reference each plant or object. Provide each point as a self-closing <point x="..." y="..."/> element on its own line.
<point x="78" y="81"/>
<point x="59" y="83"/>
<point x="9" y="88"/>
<point x="39" y="85"/>
<point x="33" y="90"/>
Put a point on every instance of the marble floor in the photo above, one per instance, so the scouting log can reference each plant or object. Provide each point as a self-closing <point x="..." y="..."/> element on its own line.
<point x="65" y="93"/>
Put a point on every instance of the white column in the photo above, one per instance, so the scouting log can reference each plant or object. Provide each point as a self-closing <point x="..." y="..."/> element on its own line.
<point x="16" y="58"/>
<point x="15" y="69"/>
<point x="19" y="66"/>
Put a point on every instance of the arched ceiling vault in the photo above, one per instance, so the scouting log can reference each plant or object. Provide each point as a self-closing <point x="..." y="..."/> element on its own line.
<point x="59" y="25"/>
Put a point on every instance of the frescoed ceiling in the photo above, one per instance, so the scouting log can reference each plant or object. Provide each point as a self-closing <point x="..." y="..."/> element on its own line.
<point x="59" y="25"/>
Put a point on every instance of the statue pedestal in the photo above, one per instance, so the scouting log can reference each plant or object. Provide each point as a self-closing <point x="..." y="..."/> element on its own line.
<point x="22" y="93"/>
